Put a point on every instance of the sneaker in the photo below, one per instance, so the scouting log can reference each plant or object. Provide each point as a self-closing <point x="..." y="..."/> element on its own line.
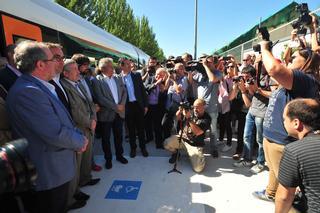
<point x="226" y="148"/>
<point x="242" y="163"/>
<point x="257" y="168"/>
<point x="263" y="196"/>
<point x="236" y="156"/>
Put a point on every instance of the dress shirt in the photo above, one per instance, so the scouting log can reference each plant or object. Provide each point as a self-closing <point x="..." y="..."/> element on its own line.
<point x="130" y="87"/>
<point x="48" y="85"/>
<point x="113" y="87"/>
<point x="86" y="87"/>
<point x="76" y="85"/>
<point x="56" y="79"/>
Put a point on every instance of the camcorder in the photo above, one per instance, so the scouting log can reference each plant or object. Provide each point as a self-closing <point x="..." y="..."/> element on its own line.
<point x="170" y="63"/>
<point x="304" y="19"/>
<point x="17" y="173"/>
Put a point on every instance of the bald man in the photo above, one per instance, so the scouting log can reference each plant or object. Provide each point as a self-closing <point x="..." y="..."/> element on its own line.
<point x="196" y="123"/>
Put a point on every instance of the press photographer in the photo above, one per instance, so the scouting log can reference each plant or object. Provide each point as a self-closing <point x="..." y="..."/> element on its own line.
<point x="150" y="70"/>
<point x="299" y="79"/>
<point x="194" y="125"/>
<point x="207" y="85"/>
<point x="177" y="93"/>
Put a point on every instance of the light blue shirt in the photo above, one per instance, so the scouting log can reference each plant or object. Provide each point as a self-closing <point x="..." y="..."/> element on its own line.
<point x="50" y="87"/>
<point x="130" y="88"/>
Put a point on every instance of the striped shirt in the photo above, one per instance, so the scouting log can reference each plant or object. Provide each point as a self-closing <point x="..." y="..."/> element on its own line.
<point x="300" y="166"/>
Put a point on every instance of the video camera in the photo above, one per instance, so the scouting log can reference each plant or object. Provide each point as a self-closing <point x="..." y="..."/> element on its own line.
<point x="170" y="63"/>
<point x="263" y="31"/>
<point x="304" y="19"/>
<point x="17" y="173"/>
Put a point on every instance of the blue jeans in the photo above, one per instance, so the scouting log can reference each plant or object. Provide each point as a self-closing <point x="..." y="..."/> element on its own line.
<point x="213" y="131"/>
<point x="252" y="120"/>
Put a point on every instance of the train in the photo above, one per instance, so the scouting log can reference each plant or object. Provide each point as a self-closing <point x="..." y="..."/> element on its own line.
<point x="47" y="21"/>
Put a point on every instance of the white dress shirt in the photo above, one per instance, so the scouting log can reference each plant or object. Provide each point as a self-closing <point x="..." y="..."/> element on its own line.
<point x="113" y="87"/>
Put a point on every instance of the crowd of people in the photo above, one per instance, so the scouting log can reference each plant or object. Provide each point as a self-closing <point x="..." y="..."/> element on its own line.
<point x="59" y="105"/>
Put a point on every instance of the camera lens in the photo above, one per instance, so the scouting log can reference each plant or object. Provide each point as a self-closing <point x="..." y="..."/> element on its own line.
<point x="17" y="174"/>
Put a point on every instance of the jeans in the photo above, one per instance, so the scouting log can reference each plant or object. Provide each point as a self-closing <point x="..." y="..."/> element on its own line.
<point x="252" y="120"/>
<point x="213" y="131"/>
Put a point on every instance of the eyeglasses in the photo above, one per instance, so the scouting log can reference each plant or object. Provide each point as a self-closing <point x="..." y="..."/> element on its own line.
<point x="59" y="58"/>
<point x="245" y="60"/>
<point x="230" y="66"/>
<point x="47" y="60"/>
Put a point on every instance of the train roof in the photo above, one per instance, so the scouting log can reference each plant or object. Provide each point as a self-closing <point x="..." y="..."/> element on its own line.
<point x="54" y="16"/>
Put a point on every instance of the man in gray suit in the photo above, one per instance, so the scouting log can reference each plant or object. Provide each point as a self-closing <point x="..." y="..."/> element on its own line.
<point x="84" y="116"/>
<point x="37" y="114"/>
<point x="111" y="95"/>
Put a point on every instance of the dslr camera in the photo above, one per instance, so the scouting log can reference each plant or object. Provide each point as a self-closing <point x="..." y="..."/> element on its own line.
<point x="304" y="19"/>
<point x="185" y="105"/>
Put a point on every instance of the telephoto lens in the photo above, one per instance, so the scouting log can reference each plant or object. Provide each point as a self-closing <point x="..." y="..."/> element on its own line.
<point x="17" y="173"/>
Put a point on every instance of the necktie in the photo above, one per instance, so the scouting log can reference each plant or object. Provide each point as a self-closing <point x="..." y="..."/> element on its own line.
<point x="61" y="95"/>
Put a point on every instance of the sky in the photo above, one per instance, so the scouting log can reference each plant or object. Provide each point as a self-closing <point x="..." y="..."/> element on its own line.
<point x="219" y="22"/>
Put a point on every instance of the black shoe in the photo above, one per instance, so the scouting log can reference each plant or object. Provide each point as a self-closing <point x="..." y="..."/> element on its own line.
<point x="122" y="160"/>
<point x="173" y="158"/>
<point x="108" y="164"/>
<point x="215" y="154"/>
<point x="78" y="204"/>
<point x="132" y="153"/>
<point x="81" y="196"/>
<point x="92" y="182"/>
<point x="144" y="152"/>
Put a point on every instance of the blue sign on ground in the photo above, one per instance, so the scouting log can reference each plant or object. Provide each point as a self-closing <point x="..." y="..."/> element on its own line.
<point x="124" y="190"/>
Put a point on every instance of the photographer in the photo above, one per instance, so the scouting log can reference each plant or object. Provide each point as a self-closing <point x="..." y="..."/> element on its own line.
<point x="207" y="88"/>
<point x="256" y="99"/>
<point x="195" y="122"/>
<point x="298" y="79"/>
<point x="150" y="70"/>
<point x="177" y="93"/>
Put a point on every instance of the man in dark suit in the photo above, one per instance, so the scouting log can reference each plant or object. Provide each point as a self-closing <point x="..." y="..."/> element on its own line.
<point x="136" y="106"/>
<point x="111" y="96"/>
<point x="39" y="116"/>
<point x="10" y="73"/>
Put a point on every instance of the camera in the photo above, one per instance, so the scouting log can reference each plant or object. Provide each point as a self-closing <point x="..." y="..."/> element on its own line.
<point x="17" y="173"/>
<point x="226" y="58"/>
<point x="250" y="81"/>
<point x="265" y="36"/>
<point x="185" y="105"/>
<point x="237" y="79"/>
<point x="304" y="18"/>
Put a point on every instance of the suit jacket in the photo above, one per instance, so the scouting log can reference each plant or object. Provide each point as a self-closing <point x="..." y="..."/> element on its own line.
<point x="82" y="110"/>
<point x="105" y="99"/>
<point x="38" y="115"/>
<point x="7" y="78"/>
<point x="139" y="90"/>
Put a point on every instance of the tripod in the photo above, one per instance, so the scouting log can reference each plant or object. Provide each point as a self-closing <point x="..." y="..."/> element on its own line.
<point x="174" y="169"/>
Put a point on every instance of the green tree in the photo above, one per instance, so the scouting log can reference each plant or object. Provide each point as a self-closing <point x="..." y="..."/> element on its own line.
<point x="117" y="18"/>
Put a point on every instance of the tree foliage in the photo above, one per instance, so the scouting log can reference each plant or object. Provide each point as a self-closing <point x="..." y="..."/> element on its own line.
<point x="117" y="17"/>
